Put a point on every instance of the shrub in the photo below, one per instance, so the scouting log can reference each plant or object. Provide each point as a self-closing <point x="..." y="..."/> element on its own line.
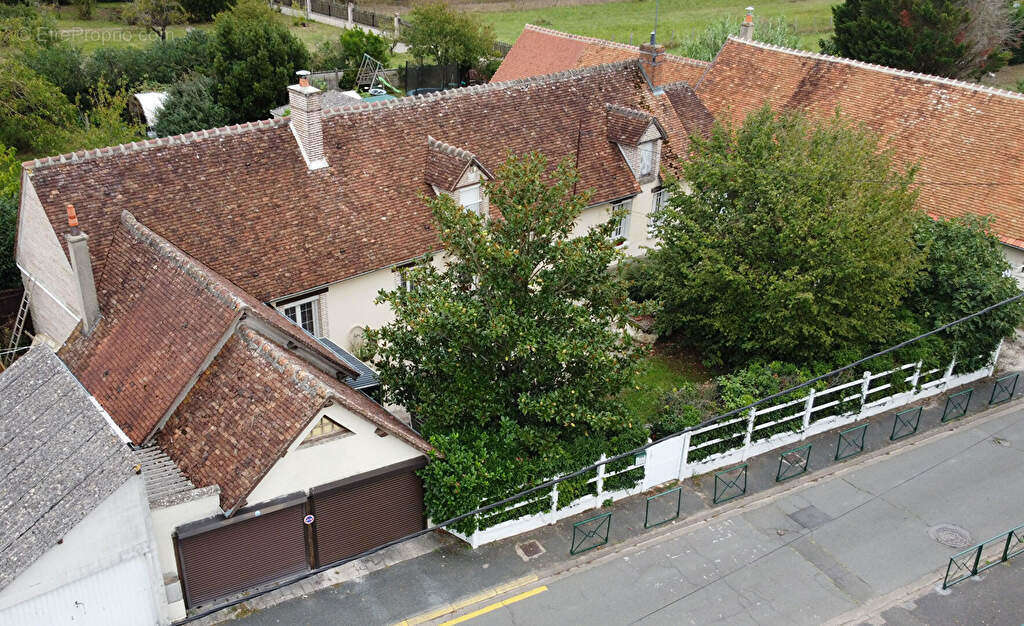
<point x="199" y="11"/>
<point x="190" y="106"/>
<point x="706" y="44"/>
<point x="686" y="406"/>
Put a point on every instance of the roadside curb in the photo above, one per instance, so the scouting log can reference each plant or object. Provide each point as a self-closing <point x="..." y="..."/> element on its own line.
<point x="742" y="505"/>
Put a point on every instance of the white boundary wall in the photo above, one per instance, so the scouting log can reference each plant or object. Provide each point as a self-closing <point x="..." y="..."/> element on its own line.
<point x="668" y="460"/>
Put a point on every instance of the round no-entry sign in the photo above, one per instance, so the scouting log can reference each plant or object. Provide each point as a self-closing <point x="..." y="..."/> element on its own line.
<point x="308" y="520"/>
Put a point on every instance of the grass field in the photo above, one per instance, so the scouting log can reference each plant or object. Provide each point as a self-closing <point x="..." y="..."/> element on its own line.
<point x="104" y="30"/>
<point x="677" y="19"/>
<point x="659" y="374"/>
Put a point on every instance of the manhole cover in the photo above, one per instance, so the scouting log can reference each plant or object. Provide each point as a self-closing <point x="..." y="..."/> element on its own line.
<point x="529" y="549"/>
<point x="950" y="535"/>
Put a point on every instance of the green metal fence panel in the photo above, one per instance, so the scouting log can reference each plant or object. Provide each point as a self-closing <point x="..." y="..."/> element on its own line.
<point x="957" y="405"/>
<point x="1014" y="543"/>
<point x="962" y="566"/>
<point x="986" y="554"/>
<point x="1002" y="390"/>
<point x="730" y="483"/>
<point x="793" y="462"/>
<point x="905" y="423"/>
<point x="851" y="442"/>
<point x="666" y="497"/>
<point x="590" y="533"/>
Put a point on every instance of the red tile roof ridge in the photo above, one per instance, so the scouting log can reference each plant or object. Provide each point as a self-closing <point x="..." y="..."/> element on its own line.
<point x="147" y="144"/>
<point x="543" y="79"/>
<point x="610" y="44"/>
<point x="447" y="148"/>
<point x="222" y="289"/>
<point x="642" y="115"/>
<point x="195" y="270"/>
<point x="951" y="82"/>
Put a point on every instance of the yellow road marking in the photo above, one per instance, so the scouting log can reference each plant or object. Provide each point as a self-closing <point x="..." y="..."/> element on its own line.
<point x="465" y="602"/>
<point x="496" y="605"/>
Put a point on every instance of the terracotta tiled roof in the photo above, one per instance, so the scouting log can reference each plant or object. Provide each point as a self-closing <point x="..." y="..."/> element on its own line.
<point x="540" y="51"/>
<point x="243" y="202"/>
<point x="627" y="126"/>
<point x="164" y="314"/>
<point x="446" y="164"/>
<point x="695" y="117"/>
<point x="248" y="407"/>
<point x="967" y="139"/>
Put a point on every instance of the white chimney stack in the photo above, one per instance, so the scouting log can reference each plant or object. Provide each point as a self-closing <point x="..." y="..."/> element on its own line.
<point x="81" y="265"/>
<point x="306" y="104"/>
<point x="747" y="29"/>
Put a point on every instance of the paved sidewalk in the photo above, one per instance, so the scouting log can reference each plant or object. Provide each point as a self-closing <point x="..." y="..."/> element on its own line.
<point x="833" y="541"/>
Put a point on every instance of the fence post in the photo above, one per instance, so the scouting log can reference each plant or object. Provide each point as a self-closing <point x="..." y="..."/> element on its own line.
<point x="309" y="8"/>
<point x="750" y="432"/>
<point x="600" y="476"/>
<point x="808" y="409"/>
<point x="351" y="6"/>
<point x="398" y="25"/>
<point x="949" y="372"/>
<point x="914" y="378"/>
<point x="995" y="358"/>
<point x="554" y="504"/>
<point x="684" y="457"/>
<point x="864" y="386"/>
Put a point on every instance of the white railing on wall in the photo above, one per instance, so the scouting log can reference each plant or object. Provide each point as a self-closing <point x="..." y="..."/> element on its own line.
<point x="680" y="457"/>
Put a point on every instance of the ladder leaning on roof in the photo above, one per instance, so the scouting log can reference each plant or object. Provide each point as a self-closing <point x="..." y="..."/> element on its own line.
<point x="7" y="355"/>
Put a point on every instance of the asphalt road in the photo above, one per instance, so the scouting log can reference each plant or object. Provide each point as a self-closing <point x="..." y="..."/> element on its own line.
<point x="823" y="553"/>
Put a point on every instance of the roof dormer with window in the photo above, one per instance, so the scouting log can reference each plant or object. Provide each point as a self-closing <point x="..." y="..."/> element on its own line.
<point x="638" y="136"/>
<point x="458" y="173"/>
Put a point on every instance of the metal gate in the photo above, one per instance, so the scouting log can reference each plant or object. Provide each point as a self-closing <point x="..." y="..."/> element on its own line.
<point x="217" y="558"/>
<point x="360" y="513"/>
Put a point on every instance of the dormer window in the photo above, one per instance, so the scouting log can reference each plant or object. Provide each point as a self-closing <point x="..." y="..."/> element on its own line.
<point x="304" y="313"/>
<point x="648" y="152"/>
<point x="470" y="198"/>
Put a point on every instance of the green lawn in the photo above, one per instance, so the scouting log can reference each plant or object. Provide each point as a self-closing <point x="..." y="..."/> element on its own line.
<point x="659" y="374"/>
<point x="105" y="30"/>
<point x="677" y="19"/>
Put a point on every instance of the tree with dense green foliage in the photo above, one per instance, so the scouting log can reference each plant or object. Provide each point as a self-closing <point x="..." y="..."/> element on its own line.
<point x="199" y="11"/>
<point x="156" y="15"/>
<point x="190" y="106"/>
<point x="512" y="356"/>
<point x="37" y="117"/>
<point x="255" y="59"/>
<point x="437" y="31"/>
<point x="794" y="242"/>
<point x="10" y="182"/>
<point x="939" y="37"/>
<point x="965" y="271"/>
<point x="706" y="44"/>
<point x="347" y="53"/>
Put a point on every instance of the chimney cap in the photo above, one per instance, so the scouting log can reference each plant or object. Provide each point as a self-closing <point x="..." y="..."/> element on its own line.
<point x="72" y="219"/>
<point x="305" y="73"/>
<point x="652" y="37"/>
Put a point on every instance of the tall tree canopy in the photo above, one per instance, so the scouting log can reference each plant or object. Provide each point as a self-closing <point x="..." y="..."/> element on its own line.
<point x="511" y="356"/>
<point x="190" y="106"/>
<point x="795" y="242"/>
<point x="955" y="38"/>
<point x="255" y="59"/>
<point x="446" y="35"/>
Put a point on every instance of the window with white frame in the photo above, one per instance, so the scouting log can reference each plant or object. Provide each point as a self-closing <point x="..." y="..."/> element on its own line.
<point x="648" y="151"/>
<point x="404" y="274"/>
<point x="661" y="198"/>
<point x="469" y="197"/>
<point x="621" y="232"/>
<point x="304" y="313"/>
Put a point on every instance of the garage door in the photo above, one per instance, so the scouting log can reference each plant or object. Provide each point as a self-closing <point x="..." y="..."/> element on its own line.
<point x="361" y="513"/>
<point x="222" y="557"/>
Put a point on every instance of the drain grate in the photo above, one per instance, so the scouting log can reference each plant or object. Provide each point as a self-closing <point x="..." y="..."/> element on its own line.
<point x="529" y="549"/>
<point x="950" y="535"/>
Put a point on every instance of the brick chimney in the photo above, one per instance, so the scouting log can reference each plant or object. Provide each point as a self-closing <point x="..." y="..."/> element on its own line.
<point x="747" y="29"/>
<point x="652" y="60"/>
<point x="306" y="104"/>
<point x="81" y="265"/>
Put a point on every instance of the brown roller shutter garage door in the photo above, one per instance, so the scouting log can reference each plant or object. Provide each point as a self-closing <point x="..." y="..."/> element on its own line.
<point x="363" y="512"/>
<point x="221" y="557"/>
